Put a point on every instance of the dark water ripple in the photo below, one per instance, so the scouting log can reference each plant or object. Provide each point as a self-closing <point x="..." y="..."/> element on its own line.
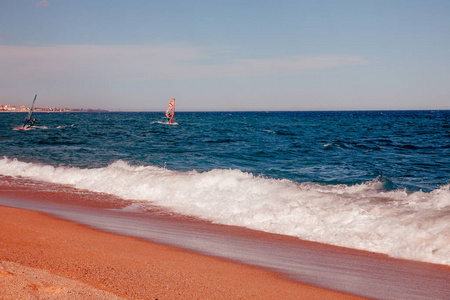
<point x="410" y="149"/>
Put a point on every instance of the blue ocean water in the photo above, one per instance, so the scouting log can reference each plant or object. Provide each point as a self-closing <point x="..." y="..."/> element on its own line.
<point x="320" y="176"/>
<point x="405" y="149"/>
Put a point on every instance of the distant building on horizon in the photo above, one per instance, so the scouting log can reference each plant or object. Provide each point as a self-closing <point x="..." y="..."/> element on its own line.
<point x="22" y="108"/>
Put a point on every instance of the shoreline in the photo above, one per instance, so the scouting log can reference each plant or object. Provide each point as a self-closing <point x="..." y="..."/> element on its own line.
<point x="47" y="257"/>
<point x="285" y="258"/>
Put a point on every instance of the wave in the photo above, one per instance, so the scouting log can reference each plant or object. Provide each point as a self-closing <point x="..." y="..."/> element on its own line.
<point x="164" y="123"/>
<point x="364" y="216"/>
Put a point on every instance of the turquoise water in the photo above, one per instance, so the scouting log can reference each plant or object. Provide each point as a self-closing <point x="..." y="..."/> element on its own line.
<point x="377" y="180"/>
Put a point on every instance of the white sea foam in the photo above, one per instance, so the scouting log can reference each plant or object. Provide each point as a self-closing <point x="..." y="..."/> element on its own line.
<point x="413" y="226"/>
<point x="164" y="122"/>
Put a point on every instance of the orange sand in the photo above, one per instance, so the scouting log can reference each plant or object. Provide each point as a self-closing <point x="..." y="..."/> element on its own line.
<point x="49" y="258"/>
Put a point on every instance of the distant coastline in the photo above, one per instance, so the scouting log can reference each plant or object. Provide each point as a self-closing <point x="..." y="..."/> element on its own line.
<point x="21" y="109"/>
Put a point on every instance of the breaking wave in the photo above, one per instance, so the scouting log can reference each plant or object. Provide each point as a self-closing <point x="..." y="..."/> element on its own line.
<point x="366" y="216"/>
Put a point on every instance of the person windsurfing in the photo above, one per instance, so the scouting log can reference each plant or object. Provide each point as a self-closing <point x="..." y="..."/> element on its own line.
<point x="28" y="120"/>
<point x="170" y="111"/>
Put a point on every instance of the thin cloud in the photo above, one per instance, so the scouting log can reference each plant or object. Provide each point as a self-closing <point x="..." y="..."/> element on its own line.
<point x="43" y="3"/>
<point x="140" y="63"/>
<point x="290" y="65"/>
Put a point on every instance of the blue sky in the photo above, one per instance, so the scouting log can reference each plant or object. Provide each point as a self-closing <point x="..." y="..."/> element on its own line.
<point x="226" y="55"/>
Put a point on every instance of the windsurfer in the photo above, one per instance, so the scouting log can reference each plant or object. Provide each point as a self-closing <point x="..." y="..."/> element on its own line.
<point x="170" y="110"/>
<point x="29" y="122"/>
<point x="170" y="118"/>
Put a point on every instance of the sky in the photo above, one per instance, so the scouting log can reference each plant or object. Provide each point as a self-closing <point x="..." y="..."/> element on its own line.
<point x="226" y="55"/>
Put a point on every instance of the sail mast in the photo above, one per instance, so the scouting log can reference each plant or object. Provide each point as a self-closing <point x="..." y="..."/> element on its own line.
<point x="32" y="107"/>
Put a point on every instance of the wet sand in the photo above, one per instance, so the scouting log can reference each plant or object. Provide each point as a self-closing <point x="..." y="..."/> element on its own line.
<point x="50" y="258"/>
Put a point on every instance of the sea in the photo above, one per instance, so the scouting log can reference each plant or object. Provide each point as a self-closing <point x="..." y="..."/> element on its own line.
<point x="370" y="180"/>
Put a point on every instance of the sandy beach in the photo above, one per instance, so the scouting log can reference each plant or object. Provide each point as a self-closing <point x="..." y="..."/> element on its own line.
<point x="49" y="258"/>
<point x="44" y="257"/>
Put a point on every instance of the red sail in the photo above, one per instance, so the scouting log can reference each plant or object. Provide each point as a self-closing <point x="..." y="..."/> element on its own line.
<point x="170" y="111"/>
